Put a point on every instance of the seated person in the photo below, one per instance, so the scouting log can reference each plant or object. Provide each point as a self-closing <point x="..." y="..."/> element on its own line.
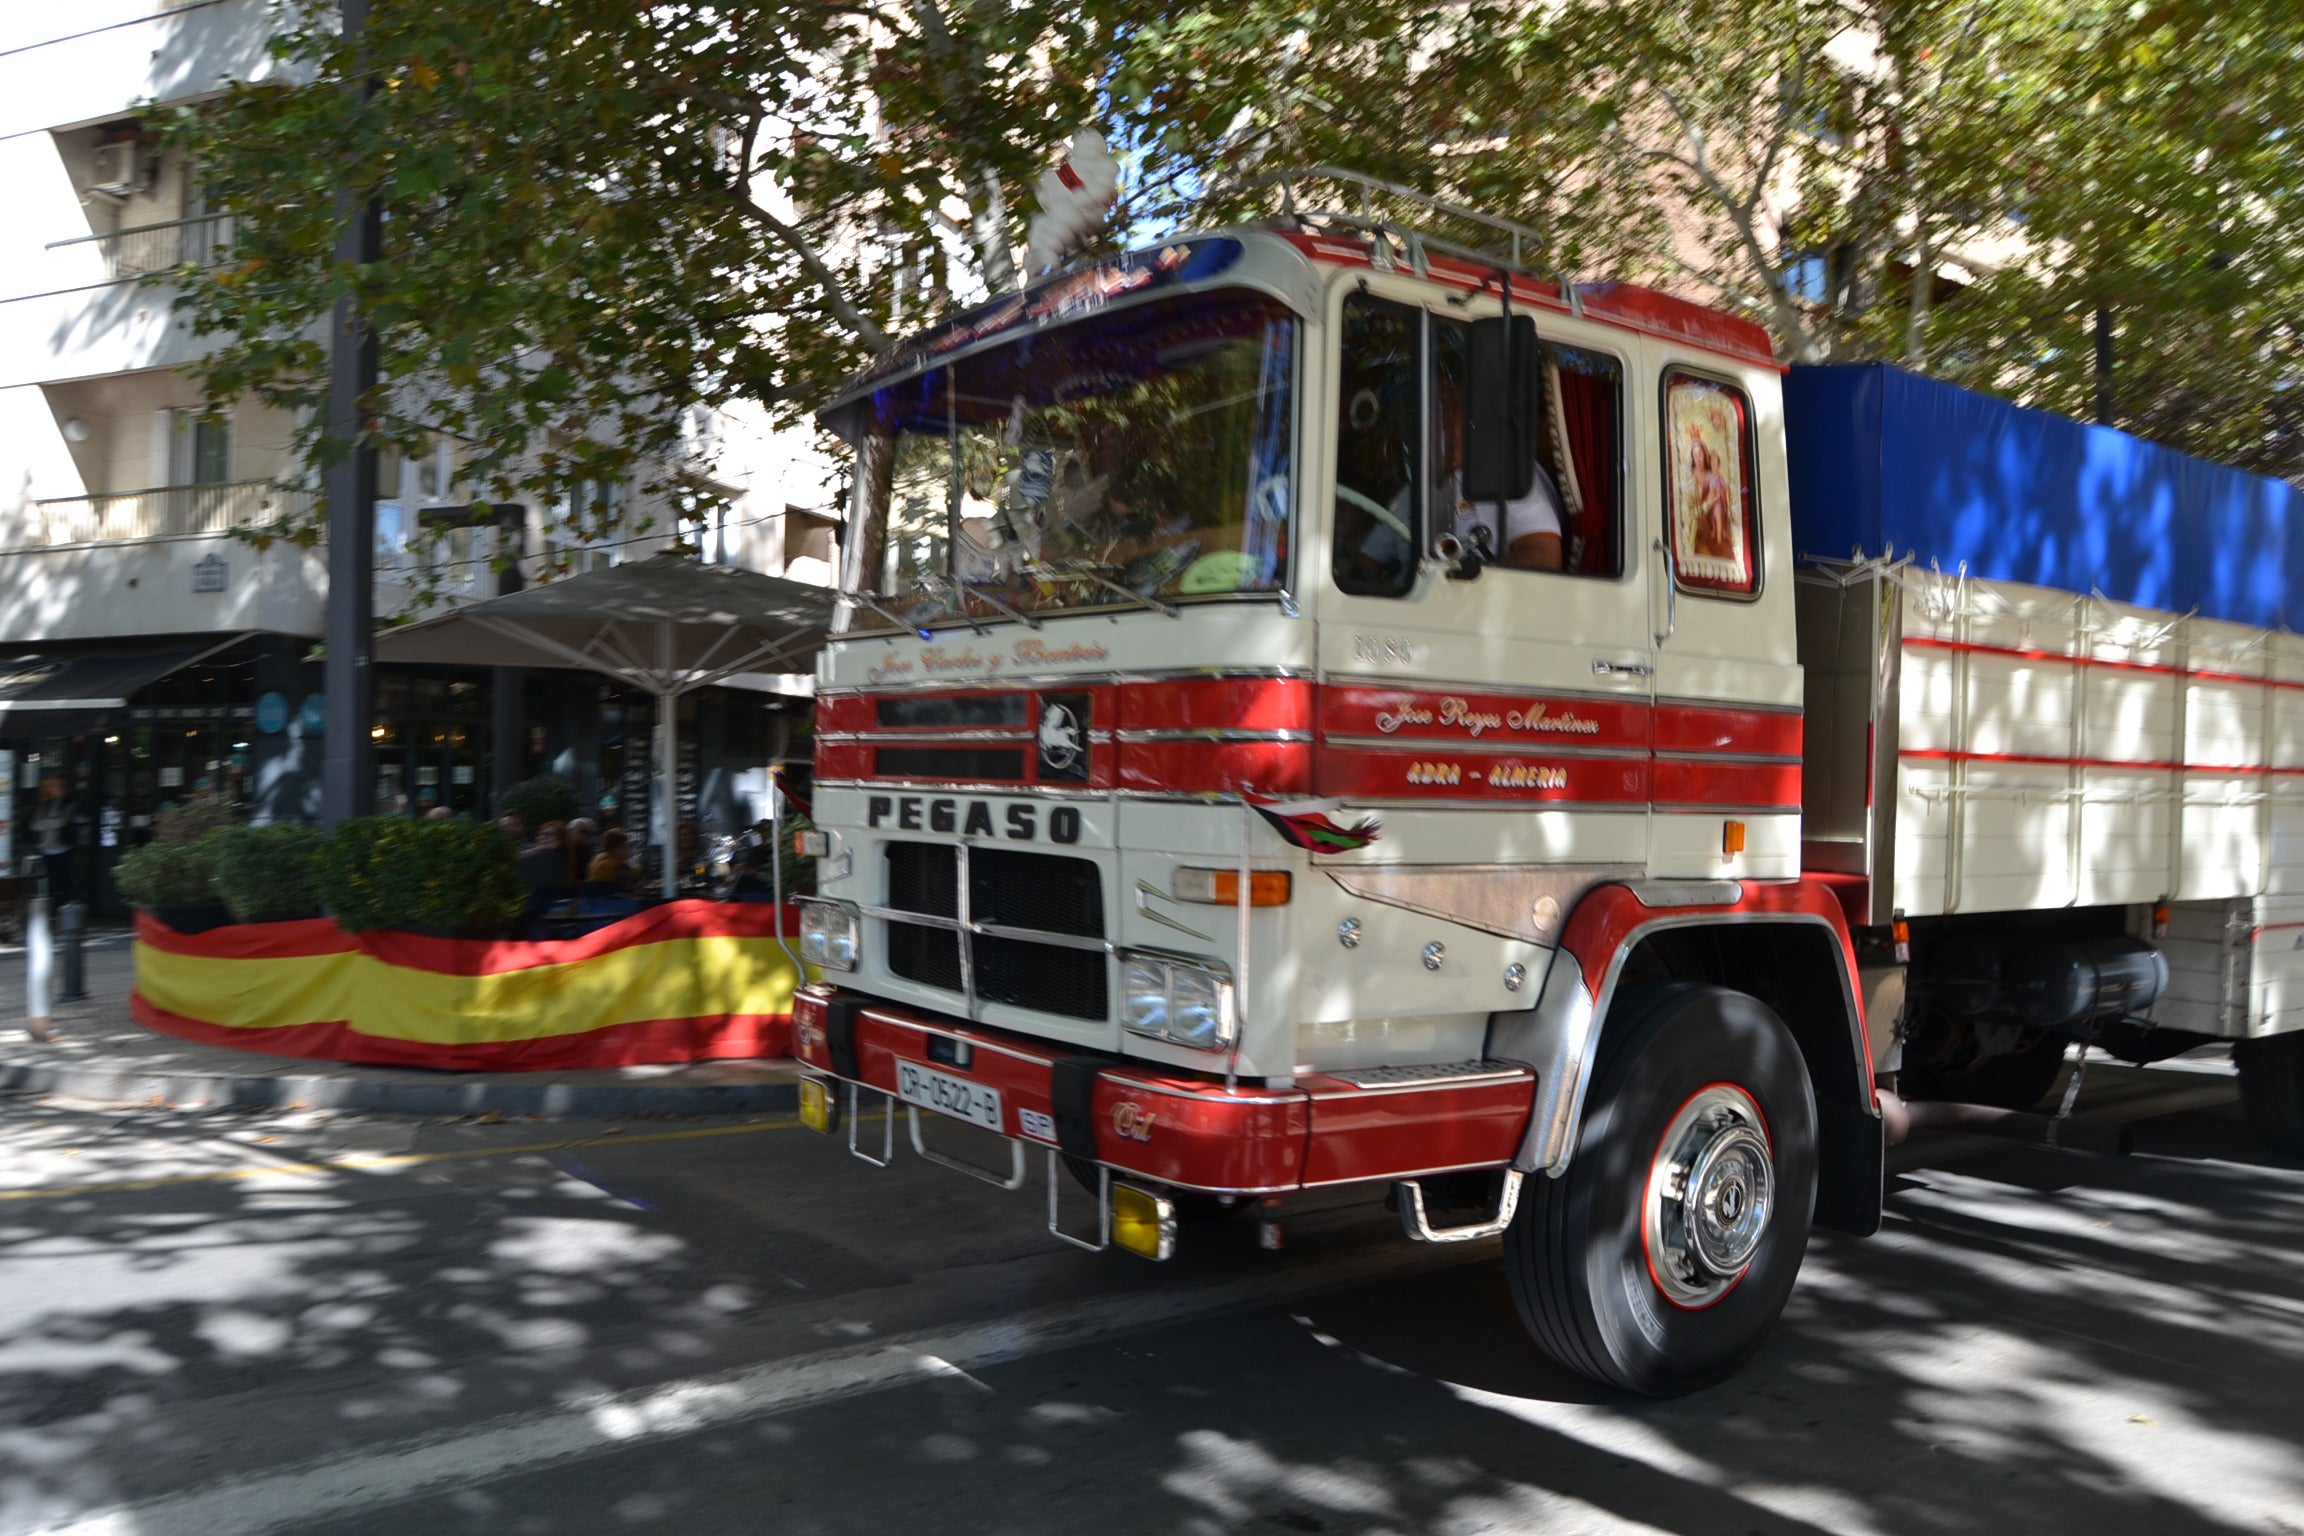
<point x="611" y="872"/>
<point x="1524" y="534"/>
<point x="544" y="869"/>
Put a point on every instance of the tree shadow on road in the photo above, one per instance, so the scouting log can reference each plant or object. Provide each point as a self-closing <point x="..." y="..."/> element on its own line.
<point x="2036" y="1341"/>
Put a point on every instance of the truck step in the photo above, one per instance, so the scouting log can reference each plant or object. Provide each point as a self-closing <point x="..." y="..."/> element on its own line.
<point x="1431" y="1074"/>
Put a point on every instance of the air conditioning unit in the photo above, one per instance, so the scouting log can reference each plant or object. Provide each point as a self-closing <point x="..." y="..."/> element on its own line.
<point x="119" y="168"/>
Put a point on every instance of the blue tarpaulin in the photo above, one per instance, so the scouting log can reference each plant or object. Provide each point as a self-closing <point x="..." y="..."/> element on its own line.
<point x="1887" y="462"/>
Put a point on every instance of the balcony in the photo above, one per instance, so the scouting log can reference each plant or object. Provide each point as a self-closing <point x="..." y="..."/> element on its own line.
<point x="149" y="248"/>
<point x="175" y="511"/>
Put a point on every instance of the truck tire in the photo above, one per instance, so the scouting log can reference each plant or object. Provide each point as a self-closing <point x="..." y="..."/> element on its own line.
<point x="2272" y="1089"/>
<point x="1621" y="1272"/>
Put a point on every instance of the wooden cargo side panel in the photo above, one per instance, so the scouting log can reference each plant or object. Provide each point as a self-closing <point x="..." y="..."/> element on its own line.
<point x="2053" y="750"/>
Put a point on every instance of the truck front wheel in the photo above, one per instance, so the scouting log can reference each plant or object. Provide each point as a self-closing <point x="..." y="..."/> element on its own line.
<point x="1661" y="1258"/>
<point x="2272" y="1089"/>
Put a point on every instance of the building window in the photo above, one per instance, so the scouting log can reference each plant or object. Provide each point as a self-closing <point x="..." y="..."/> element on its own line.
<point x="200" y="449"/>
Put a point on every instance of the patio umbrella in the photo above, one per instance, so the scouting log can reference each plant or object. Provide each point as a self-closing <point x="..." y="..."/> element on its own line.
<point x="666" y="625"/>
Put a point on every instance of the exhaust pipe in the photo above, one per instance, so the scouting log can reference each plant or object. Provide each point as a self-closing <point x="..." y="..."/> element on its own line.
<point x="1900" y="1119"/>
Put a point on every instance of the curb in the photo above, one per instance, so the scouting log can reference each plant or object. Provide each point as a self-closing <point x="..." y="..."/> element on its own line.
<point x="451" y="1095"/>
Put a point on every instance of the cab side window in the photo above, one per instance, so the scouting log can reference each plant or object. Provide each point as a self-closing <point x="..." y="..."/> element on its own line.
<point x="1582" y="444"/>
<point x="1379" y="447"/>
<point x="1578" y="494"/>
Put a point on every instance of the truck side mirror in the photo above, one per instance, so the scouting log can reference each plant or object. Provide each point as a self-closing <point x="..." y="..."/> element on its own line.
<point x="1500" y="409"/>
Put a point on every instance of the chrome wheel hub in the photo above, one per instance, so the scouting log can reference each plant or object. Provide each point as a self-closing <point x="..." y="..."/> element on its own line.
<point x="1711" y="1193"/>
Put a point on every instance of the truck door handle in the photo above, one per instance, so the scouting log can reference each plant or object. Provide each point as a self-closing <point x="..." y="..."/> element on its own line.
<point x="1623" y="669"/>
<point x="1671" y="591"/>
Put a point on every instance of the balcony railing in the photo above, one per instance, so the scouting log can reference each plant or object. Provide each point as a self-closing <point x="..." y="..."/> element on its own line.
<point x="157" y="247"/>
<point x="168" y="511"/>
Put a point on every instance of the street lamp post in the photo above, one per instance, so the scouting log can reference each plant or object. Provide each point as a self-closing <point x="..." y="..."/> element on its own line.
<point x="347" y="782"/>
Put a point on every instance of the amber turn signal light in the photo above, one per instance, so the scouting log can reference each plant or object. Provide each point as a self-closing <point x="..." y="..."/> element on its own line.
<point x="1142" y="1222"/>
<point x="819" y="1111"/>
<point x="1221" y="887"/>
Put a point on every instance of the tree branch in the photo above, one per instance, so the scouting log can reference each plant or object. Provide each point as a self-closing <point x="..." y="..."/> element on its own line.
<point x="835" y="295"/>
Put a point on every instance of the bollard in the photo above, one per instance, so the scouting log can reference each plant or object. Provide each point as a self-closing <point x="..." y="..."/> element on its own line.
<point x="72" y="965"/>
<point x="37" y="960"/>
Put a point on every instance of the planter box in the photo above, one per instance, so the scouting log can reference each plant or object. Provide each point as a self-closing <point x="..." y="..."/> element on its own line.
<point x="687" y="981"/>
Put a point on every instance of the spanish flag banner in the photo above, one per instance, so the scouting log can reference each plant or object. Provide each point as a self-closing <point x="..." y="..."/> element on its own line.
<point x="686" y="981"/>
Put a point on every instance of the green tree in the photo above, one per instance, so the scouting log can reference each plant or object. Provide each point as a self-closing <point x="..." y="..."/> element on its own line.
<point x="600" y="215"/>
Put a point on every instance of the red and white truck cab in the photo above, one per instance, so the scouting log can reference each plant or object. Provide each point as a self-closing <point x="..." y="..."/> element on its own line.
<point x="1317" y="707"/>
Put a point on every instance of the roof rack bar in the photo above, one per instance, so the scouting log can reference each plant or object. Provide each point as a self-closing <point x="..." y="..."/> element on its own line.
<point x="1367" y="220"/>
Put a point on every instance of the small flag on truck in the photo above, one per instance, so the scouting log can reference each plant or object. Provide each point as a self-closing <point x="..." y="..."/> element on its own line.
<point x="1306" y="824"/>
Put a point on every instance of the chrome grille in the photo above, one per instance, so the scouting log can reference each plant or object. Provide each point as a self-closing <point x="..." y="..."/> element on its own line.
<point x="1048" y="896"/>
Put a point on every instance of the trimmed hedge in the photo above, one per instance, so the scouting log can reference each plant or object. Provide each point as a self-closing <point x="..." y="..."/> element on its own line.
<point x="431" y="876"/>
<point x="267" y="874"/>
<point x="167" y="874"/>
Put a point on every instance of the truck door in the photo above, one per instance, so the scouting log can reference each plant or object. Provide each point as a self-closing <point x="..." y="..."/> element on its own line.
<point x="1728" y="725"/>
<point x="1529" y="684"/>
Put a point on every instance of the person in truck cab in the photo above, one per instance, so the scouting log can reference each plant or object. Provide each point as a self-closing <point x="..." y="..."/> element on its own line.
<point x="1525" y="533"/>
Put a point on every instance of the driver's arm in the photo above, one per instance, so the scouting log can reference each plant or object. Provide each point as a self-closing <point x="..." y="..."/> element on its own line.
<point x="1535" y="552"/>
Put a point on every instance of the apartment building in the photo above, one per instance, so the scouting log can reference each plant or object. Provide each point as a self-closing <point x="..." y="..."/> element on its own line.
<point x="147" y="648"/>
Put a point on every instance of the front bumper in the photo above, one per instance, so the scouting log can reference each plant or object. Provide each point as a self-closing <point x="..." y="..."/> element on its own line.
<point x="1181" y="1130"/>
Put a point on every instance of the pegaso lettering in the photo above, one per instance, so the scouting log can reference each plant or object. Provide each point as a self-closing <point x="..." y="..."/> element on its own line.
<point x="950" y="814"/>
<point x="1476" y="720"/>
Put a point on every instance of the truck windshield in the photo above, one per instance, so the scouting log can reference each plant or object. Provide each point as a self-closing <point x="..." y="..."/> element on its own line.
<point x="1129" y="458"/>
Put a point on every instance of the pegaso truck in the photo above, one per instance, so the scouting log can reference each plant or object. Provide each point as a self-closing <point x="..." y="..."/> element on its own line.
<point x="1319" y="706"/>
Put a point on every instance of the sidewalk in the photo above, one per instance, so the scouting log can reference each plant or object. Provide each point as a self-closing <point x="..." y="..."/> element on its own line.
<point x="101" y="1053"/>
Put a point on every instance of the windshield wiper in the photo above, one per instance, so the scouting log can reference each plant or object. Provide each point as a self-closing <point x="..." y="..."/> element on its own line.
<point x="1085" y="571"/>
<point x="959" y="602"/>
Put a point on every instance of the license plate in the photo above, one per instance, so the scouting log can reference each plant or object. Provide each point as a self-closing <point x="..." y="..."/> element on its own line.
<point x="949" y="1095"/>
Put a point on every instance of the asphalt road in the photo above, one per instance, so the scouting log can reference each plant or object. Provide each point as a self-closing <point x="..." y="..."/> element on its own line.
<point x="340" y="1325"/>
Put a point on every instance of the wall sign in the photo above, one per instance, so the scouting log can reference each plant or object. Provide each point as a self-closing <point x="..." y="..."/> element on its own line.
<point x="211" y="573"/>
<point x="272" y="713"/>
<point x="312" y="714"/>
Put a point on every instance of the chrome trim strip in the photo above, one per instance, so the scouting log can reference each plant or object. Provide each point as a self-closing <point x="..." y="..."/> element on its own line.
<point x="1486" y="1080"/>
<point x="1413" y="1173"/>
<point x="1015" y="682"/>
<point x="1492" y="687"/>
<point x="1213" y="733"/>
<point x="1728" y="757"/>
<point x="1748" y="706"/>
<point x="1043" y="936"/>
<point x="982" y="789"/>
<point x="1434" y="745"/>
<point x="988" y="931"/>
<point x="1021" y="735"/>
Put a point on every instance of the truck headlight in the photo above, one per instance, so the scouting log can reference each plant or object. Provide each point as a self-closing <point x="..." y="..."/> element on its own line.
<point x="828" y="934"/>
<point x="1168" y="998"/>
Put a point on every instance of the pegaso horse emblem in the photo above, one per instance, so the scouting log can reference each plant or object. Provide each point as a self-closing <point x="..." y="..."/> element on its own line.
<point x="1059" y="737"/>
